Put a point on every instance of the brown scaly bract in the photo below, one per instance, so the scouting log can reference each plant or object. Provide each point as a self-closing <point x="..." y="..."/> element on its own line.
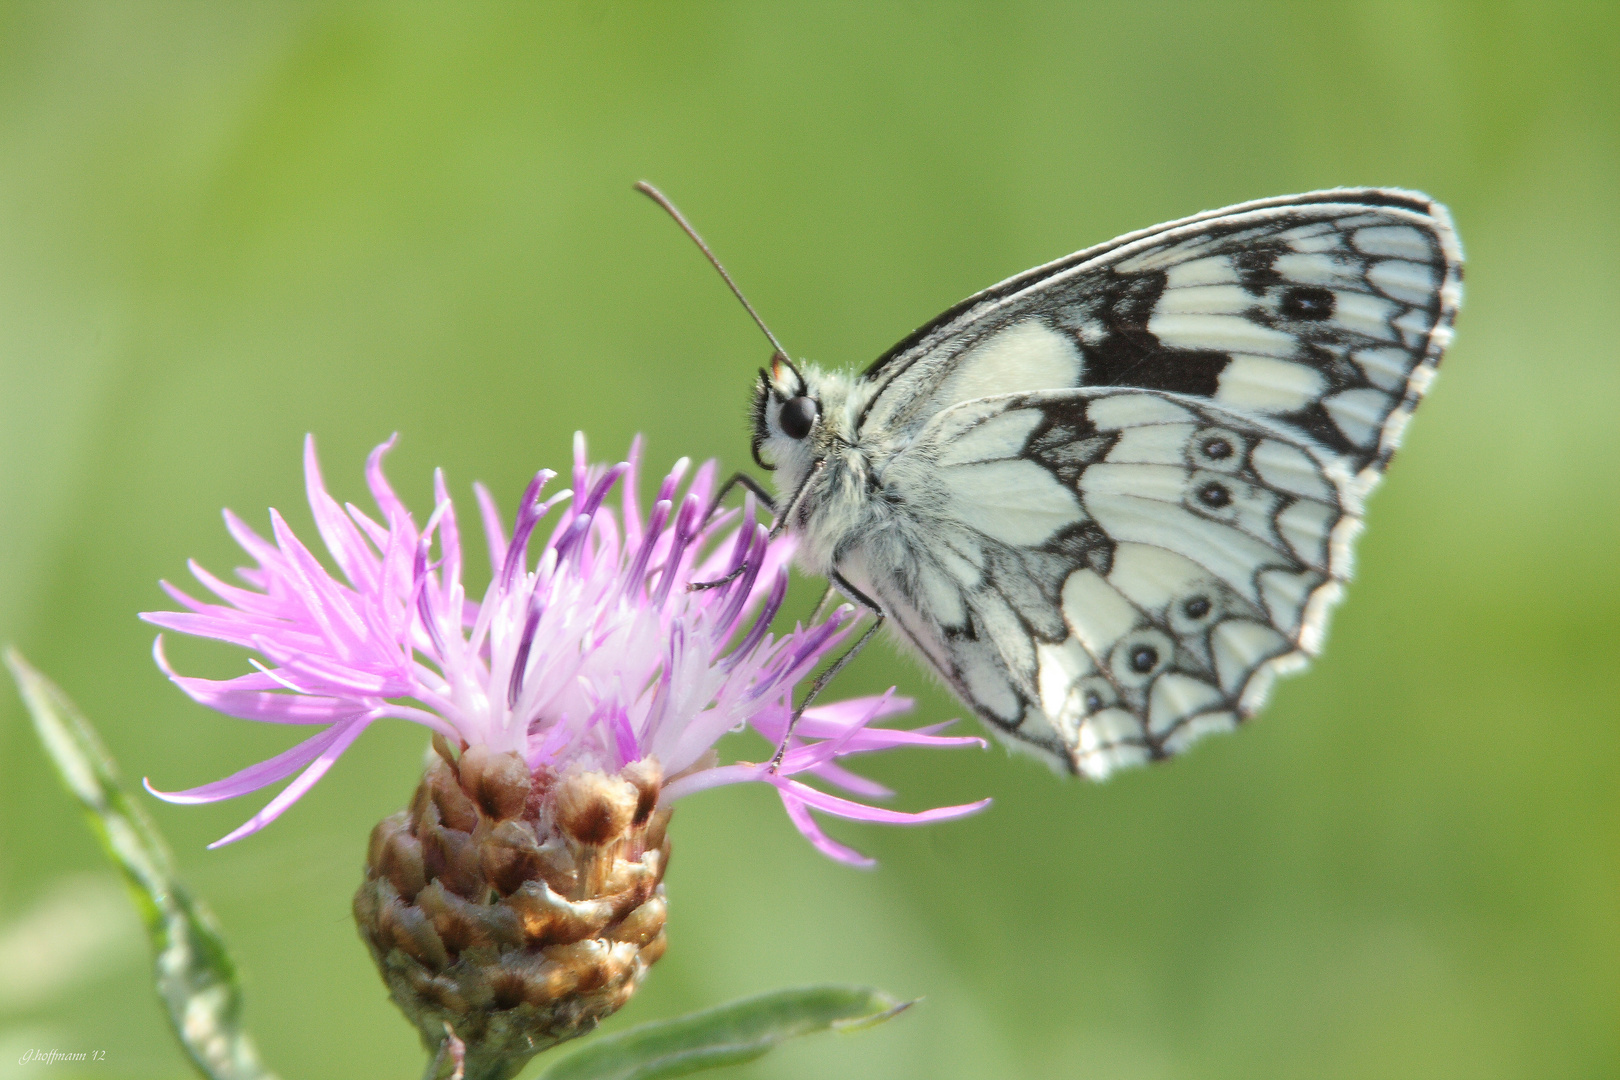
<point x="520" y="910"/>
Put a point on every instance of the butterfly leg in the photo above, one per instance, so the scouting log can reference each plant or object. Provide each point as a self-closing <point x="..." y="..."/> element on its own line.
<point x="777" y="528"/>
<point x="742" y="480"/>
<point x="822" y="603"/>
<point x="837" y="665"/>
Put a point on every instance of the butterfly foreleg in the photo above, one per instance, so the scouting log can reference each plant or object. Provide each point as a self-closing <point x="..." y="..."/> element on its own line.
<point x="822" y="603"/>
<point x="777" y="527"/>
<point x="740" y="480"/>
<point x="838" y="665"/>
<point x="754" y="487"/>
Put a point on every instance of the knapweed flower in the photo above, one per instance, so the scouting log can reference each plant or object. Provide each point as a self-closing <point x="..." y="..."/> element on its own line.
<point x="520" y="898"/>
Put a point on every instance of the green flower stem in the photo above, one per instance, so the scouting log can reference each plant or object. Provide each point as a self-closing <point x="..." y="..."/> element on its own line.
<point x="193" y="973"/>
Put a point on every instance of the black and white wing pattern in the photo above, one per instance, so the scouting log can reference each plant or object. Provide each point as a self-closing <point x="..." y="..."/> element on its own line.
<point x="1134" y="475"/>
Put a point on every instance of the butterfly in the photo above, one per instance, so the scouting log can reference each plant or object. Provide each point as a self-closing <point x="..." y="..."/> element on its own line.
<point x="1112" y="498"/>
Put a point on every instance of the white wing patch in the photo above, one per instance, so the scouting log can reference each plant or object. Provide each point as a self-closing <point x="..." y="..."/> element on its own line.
<point x="1014" y="501"/>
<point x="1265" y="385"/>
<point x="997" y="438"/>
<point x="1173" y="325"/>
<point x="1024" y="356"/>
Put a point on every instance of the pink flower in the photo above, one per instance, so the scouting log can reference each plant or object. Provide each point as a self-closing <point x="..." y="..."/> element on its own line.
<point x="587" y="651"/>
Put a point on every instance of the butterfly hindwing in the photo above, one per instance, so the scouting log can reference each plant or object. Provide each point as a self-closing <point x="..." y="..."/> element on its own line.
<point x="1112" y="573"/>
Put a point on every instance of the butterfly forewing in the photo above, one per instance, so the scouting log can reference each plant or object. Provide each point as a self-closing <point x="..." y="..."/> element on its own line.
<point x="1327" y="311"/>
<point x="1130" y="478"/>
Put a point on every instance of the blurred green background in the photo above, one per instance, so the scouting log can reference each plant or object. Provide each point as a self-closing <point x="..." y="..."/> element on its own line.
<point x="223" y="226"/>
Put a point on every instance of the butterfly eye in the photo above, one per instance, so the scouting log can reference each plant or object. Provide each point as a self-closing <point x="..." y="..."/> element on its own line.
<point x="798" y="416"/>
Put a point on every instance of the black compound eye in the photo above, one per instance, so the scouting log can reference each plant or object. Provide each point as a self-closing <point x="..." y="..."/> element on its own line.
<point x="798" y="416"/>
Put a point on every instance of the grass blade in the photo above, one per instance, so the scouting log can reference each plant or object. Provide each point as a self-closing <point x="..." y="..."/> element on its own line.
<point x="193" y="973"/>
<point x="728" y="1035"/>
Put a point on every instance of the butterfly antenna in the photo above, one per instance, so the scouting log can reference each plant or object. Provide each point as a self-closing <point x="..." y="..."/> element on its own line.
<point x="680" y="219"/>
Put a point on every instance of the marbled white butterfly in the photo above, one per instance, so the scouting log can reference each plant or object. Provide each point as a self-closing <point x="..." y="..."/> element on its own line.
<point x="1112" y="498"/>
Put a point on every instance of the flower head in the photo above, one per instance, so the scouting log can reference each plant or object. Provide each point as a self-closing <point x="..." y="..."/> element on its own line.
<point x="588" y="651"/>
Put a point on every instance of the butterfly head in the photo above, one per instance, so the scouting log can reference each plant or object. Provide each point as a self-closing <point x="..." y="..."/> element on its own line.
<point x="787" y="417"/>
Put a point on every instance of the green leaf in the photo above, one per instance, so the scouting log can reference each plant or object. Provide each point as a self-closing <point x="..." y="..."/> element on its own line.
<point x="194" y="974"/>
<point x="727" y="1035"/>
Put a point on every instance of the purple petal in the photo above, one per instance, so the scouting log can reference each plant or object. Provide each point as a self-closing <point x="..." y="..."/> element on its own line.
<point x="623" y="736"/>
<point x="635" y="579"/>
<point x="250" y="600"/>
<point x="871" y="739"/>
<point x="629" y="505"/>
<point x="265" y="706"/>
<point x="323" y="598"/>
<point x="396" y="584"/>
<point x="750" y="556"/>
<point x="295" y="790"/>
<point x="762" y="623"/>
<point x="343" y="540"/>
<point x="666" y="490"/>
<point x="237" y="631"/>
<point x="685" y="523"/>
<point x="868" y="740"/>
<point x="449" y="537"/>
<point x="582" y="468"/>
<point x="530" y="511"/>
<point x="428" y="600"/>
<point x="257" y="776"/>
<point x="836" y="746"/>
<point x="318" y="674"/>
<point x="603" y="546"/>
<point x="381" y="491"/>
<point x="573" y="536"/>
<point x="823" y="843"/>
<point x="374" y="532"/>
<point x="860" y="709"/>
<point x="850" y="782"/>
<point x="262" y="550"/>
<point x="804" y="650"/>
<point x="494" y="531"/>
<point x="834" y="721"/>
<point x="520" y="662"/>
<point x="555" y="741"/>
<point x="248" y="696"/>
<point x="704" y="779"/>
<point x="598" y="493"/>
<point x="702" y="487"/>
<point x="854" y="811"/>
